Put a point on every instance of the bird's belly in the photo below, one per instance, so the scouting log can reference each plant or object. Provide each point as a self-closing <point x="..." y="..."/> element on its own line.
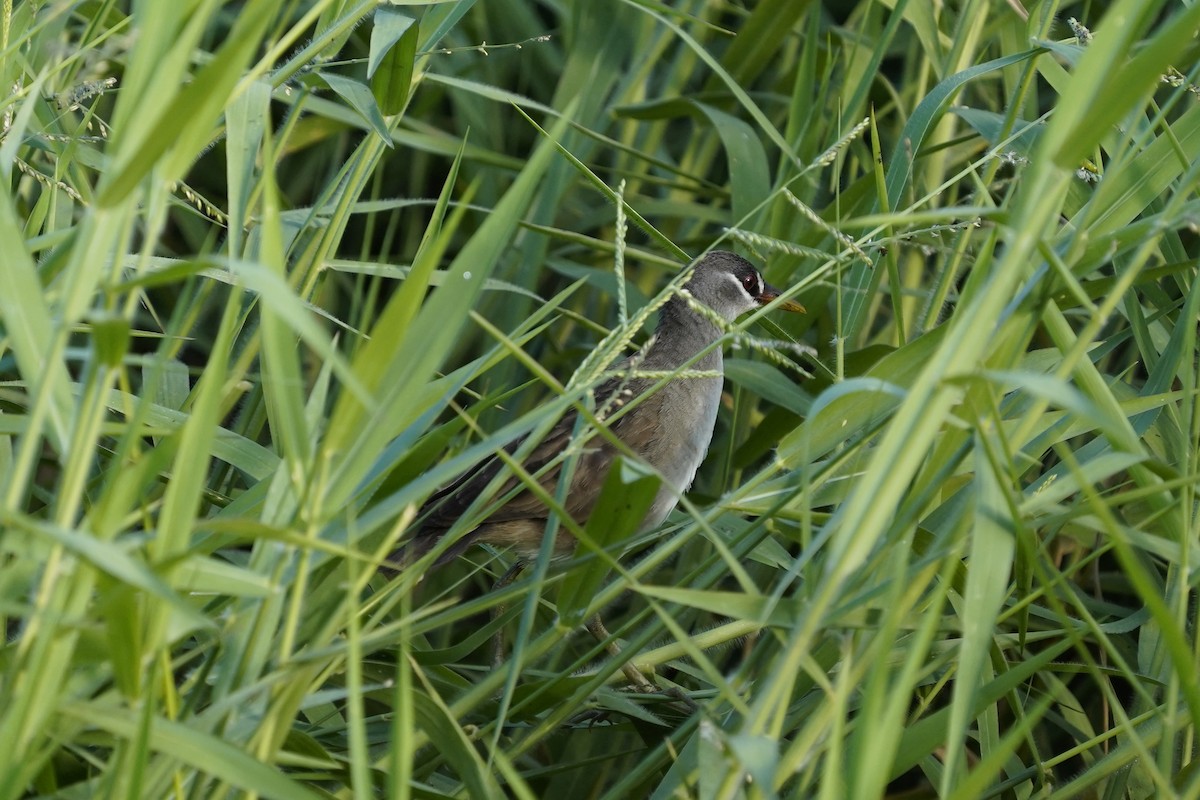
<point x="678" y="453"/>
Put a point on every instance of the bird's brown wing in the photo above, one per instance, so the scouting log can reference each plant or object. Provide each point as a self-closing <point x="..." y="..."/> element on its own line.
<point x="445" y="506"/>
<point x="450" y="502"/>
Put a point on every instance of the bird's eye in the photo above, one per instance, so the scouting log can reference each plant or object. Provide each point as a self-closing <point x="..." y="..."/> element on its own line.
<point x="750" y="282"/>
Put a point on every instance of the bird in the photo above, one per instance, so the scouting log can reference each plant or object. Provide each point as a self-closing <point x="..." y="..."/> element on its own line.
<point x="668" y="426"/>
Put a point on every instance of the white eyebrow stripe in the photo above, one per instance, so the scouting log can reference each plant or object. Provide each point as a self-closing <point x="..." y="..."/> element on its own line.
<point x="737" y="282"/>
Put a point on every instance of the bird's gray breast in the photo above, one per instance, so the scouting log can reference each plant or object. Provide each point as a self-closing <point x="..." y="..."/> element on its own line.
<point x="686" y="420"/>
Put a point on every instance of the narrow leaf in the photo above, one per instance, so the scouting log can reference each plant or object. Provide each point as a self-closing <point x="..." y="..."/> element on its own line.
<point x="392" y="57"/>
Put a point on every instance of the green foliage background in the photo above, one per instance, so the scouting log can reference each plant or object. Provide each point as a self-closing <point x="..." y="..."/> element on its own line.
<point x="274" y="271"/>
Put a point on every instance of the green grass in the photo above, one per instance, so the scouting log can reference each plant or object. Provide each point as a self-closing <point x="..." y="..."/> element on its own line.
<point x="275" y="271"/>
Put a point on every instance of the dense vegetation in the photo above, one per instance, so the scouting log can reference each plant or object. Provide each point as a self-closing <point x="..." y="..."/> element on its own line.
<point x="274" y="271"/>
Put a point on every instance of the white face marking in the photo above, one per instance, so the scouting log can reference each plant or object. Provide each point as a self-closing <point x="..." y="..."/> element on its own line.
<point x="742" y="289"/>
<point x="749" y="302"/>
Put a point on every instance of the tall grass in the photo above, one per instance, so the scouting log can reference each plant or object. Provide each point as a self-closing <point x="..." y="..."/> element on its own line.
<point x="273" y="272"/>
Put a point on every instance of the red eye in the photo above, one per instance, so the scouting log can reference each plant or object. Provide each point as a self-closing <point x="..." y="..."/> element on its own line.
<point x="751" y="284"/>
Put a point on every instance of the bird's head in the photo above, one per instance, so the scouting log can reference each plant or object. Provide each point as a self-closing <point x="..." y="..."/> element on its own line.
<point x="730" y="285"/>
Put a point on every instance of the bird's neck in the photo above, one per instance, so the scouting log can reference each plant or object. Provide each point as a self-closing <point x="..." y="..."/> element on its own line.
<point x="682" y="333"/>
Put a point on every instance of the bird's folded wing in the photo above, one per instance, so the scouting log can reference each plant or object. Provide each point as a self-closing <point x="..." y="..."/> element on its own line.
<point x="445" y="506"/>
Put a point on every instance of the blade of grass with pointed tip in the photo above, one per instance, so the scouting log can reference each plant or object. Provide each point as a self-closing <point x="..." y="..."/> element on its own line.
<point x="749" y="176"/>
<point x="360" y="98"/>
<point x="391" y="58"/>
<point x="991" y="557"/>
<point x="30" y="332"/>
<point x="282" y="381"/>
<point x="245" y="124"/>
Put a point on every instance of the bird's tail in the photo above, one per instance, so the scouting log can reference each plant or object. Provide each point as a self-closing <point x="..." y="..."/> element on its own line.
<point x="421" y="545"/>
